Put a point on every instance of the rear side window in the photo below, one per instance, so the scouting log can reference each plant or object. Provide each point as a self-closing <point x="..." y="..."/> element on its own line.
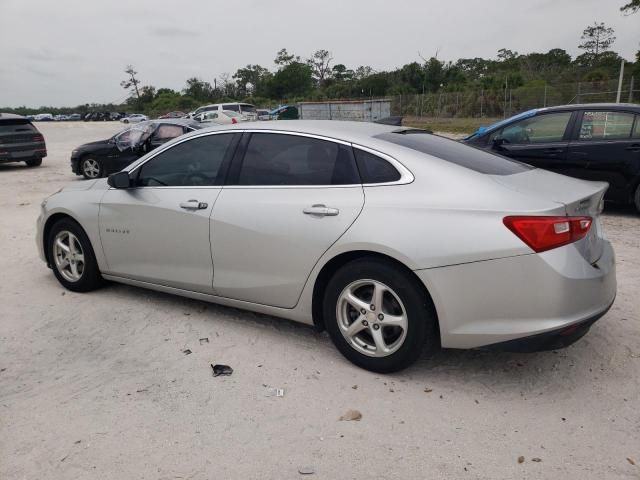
<point x="196" y="162"/>
<point x="16" y="126"/>
<point x="232" y="107"/>
<point x="166" y="132"/>
<point x="636" y="129"/>
<point x="606" y="125"/>
<point x="278" y="159"/>
<point x="374" y="169"/>
<point x="248" y="108"/>
<point x="455" y="152"/>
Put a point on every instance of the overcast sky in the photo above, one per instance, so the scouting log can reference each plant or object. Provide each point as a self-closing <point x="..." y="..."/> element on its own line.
<point x="70" y="52"/>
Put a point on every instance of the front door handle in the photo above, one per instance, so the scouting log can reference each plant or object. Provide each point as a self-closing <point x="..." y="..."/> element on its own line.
<point x="193" y="205"/>
<point x="321" y="211"/>
<point x="553" y="150"/>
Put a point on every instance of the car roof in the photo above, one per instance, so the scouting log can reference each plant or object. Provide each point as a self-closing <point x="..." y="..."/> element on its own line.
<point x="598" y="106"/>
<point x="11" y="116"/>
<point x="348" y="131"/>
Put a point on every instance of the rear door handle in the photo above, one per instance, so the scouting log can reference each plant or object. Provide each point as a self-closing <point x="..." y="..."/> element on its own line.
<point x="321" y="211"/>
<point x="193" y="205"/>
<point x="634" y="148"/>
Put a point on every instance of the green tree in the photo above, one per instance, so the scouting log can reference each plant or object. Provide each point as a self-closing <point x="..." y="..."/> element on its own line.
<point x="292" y="80"/>
<point x="254" y="75"/>
<point x="284" y="58"/>
<point x="597" y="38"/>
<point x="199" y="90"/>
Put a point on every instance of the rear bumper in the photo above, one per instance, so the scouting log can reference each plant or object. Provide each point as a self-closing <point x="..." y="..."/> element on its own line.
<point x="22" y="154"/>
<point x="492" y="302"/>
<point x="553" y="340"/>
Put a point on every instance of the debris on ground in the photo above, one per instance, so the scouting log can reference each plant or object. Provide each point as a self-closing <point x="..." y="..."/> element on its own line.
<point x="221" y="370"/>
<point x="187" y="352"/>
<point x="536" y="459"/>
<point x="355" y="387"/>
<point x="631" y="461"/>
<point x="306" y="470"/>
<point x="351" y="415"/>
<point x="63" y="293"/>
<point x="520" y="459"/>
<point x="204" y="340"/>
<point x="274" y="392"/>
<point x="428" y="390"/>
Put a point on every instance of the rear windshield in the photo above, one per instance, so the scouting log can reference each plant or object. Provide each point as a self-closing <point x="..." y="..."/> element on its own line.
<point x="234" y="107"/>
<point x="456" y="152"/>
<point x="16" y="126"/>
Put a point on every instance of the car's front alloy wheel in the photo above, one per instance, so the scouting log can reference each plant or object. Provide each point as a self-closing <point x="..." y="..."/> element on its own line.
<point x="72" y="258"/>
<point x="91" y="168"/>
<point x="378" y="315"/>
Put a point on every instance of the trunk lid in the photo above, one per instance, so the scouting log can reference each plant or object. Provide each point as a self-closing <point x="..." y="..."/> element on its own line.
<point x="579" y="197"/>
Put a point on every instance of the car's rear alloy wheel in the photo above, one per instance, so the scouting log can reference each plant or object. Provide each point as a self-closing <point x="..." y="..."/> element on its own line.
<point x="372" y="318"/>
<point x="91" y="168"/>
<point x="378" y="315"/>
<point x="72" y="258"/>
<point x="34" y="162"/>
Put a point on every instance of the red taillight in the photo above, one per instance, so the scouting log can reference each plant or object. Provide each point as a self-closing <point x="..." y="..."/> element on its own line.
<point x="546" y="233"/>
<point x="233" y="120"/>
<point x="38" y="138"/>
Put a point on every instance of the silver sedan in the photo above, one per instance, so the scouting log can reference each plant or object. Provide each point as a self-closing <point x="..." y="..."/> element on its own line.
<point x="394" y="240"/>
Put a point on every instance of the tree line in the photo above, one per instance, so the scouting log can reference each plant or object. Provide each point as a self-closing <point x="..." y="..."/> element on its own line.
<point x="319" y="77"/>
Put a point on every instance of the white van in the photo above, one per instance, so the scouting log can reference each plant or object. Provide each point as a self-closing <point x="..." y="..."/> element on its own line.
<point x="245" y="109"/>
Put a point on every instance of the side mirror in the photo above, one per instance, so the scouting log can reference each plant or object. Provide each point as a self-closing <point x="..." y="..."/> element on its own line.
<point x="119" y="180"/>
<point x="498" y="142"/>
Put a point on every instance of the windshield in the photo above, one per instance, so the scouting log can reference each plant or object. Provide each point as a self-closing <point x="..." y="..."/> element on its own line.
<point x="501" y="123"/>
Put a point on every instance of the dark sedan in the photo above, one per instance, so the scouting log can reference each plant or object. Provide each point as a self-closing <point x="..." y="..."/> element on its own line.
<point x="592" y="142"/>
<point x="98" y="159"/>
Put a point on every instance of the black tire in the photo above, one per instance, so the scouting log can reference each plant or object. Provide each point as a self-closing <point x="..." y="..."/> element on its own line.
<point x="636" y="198"/>
<point x="422" y="329"/>
<point x="90" y="278"/>
<point x="34" y="162"/>
<point x="125" y="121"/>
<point x="84" y="168"/>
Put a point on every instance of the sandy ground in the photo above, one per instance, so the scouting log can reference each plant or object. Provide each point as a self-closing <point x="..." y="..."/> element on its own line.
<point x="97" y="385"/>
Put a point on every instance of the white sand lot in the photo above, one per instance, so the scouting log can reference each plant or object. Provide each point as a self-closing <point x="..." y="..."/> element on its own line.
<point x="95" y="386"/>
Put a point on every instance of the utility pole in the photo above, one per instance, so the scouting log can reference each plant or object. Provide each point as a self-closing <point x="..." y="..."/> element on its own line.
<point x="631" y="91"/>
<point x="504" y="108"/>
<point x="620" y="81"/>
<point x="544" y="102"/>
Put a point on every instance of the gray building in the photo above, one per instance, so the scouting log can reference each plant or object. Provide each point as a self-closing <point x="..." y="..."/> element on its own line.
<point x="357" y="110"/>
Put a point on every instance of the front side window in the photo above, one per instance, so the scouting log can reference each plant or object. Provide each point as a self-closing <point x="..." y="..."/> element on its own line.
<point x="606" y="125"/>
<point x="636" y="129"/>
<point x="196" y="162"/>
<point x="233" y="107"/>
<point x="545" y="128"/>
<point x="278" y="159"/>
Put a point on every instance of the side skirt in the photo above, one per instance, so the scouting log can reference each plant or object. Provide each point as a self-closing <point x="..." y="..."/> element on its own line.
<point x="289" y="314"/>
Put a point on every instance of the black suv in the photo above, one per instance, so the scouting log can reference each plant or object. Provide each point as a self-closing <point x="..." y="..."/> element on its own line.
<point x="594" y="142"/>
<point x="98" y="159"/>
<point x="20" y="141"/>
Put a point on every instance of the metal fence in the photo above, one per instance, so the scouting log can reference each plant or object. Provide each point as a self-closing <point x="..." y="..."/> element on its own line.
<point x="509" y="101"/>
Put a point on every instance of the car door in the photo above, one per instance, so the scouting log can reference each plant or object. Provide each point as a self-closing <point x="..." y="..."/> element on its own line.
<point x="158" y="230"/>
<point x="604" y="141"/>
<point x="288" y="199"/>
<point x="541" y="140"/>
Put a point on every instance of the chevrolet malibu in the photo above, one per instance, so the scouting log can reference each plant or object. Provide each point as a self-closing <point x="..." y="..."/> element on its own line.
<point x="394" y="240"/>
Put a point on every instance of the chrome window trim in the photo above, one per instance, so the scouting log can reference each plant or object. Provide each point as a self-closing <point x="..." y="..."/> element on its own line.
<point x="406" y="176"/>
